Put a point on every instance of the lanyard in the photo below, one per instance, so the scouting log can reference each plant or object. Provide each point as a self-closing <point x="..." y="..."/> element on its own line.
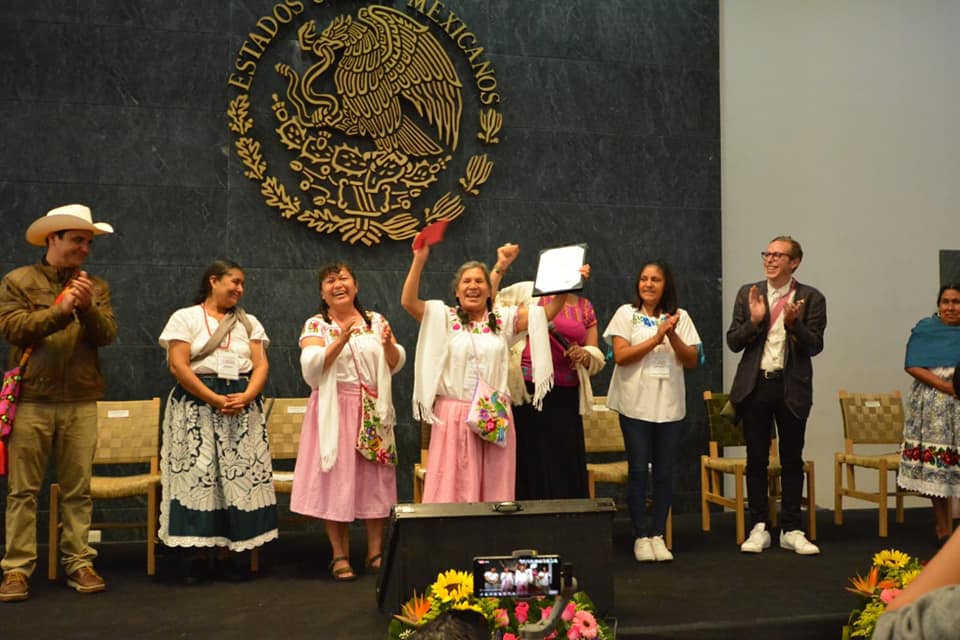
<point x="206" y="323"/>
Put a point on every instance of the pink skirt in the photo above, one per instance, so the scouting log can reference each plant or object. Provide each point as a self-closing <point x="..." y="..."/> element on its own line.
<point x="462" y="467"/>
<point x="354" y="488"/>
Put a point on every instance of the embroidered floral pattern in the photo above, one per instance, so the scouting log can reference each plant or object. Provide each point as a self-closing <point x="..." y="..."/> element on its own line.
<point x="373" y="441"/>
<point x="490" y="416"/>
<point x="929" y="459"/>
<point x="480" y="326"/>
<point x="647" y="321"/>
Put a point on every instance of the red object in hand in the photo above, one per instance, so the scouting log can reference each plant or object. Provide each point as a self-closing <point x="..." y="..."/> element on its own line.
<point x="430" y="234"/>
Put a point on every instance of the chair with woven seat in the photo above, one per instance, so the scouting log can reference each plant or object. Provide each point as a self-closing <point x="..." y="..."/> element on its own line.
<point x="869" y="419"/>
<point x="602" y="435"/>
<point x="714" y="467"/>
<point x="128" y="433"/>
<point x="284" y="420"/>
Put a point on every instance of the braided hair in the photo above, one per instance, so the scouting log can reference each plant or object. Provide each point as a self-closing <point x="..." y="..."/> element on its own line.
<point x="337" y="267"/>
<point x="461" y="314"/>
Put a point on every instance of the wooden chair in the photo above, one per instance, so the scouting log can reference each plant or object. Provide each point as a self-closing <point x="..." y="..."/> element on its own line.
<point x="128" y="432"/>
<point x="602" y="434"/>
<point x="869" y="419"/>
<point x="715" y="466"/>
<point x="284" y="421"/>
<point x="420" y="468"/>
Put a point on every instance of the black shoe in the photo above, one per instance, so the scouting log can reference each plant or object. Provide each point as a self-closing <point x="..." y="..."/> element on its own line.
<point x="194" y="569"/>
<point x="229" y="570"/>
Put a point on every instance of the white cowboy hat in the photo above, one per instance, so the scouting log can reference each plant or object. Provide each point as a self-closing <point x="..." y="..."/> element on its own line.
<point x="69" y="216"/>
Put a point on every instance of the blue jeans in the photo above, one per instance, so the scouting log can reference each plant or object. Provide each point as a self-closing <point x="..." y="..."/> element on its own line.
<point x="649" y="443"/>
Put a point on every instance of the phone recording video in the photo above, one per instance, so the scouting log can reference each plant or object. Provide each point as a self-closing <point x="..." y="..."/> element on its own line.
<point x="516" y="576"/>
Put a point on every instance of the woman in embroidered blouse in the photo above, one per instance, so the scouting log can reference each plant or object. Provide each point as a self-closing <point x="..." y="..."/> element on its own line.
<point x="653" y="341"/>
<point x="929" y="460"/>
<point x="456" y="347"/>
<point x="343" y="348"/>
<point x="216" y="473"/>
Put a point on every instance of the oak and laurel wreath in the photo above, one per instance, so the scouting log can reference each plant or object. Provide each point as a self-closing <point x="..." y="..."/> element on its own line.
<point x="353" y="230"/>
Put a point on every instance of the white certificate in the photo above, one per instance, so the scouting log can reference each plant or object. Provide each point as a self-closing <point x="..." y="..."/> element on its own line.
<point x="559" y="270"/>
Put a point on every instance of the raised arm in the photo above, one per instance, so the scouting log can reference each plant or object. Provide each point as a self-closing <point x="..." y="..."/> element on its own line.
<point x="506" y="254"/>
<point x="410" y="296"/>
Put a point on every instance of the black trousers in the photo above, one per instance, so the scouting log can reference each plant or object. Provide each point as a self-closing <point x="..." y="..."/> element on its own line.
<point x="759" y="410"/>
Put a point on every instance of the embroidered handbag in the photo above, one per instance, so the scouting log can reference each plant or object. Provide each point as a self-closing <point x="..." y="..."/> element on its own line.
<point x="376" y="441"/>
<point x="489" y="414"/>
<point x="9" y="395"/>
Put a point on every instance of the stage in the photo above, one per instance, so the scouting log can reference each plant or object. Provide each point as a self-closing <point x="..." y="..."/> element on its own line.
<point x="711" y="590"/>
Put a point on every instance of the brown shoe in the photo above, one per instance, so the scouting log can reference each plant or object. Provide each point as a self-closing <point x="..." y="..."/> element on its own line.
<point x="86" y="580"/>
<point x="14" y="587"/>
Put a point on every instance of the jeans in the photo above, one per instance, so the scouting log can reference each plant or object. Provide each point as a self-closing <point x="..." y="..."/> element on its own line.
<point x="649" y="443"/>
<point x="759" y="410"/>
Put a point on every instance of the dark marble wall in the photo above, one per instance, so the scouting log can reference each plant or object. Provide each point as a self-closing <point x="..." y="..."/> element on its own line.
<point x="611" y="137"/>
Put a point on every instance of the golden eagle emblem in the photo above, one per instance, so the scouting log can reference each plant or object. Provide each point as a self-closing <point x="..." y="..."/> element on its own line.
<point x="373" y="116"/>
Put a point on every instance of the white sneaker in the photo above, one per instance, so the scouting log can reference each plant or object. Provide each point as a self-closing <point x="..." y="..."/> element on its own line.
<point x="796" y="541"/>
<point x="758" y="540"/>
<point x="643" y="550"/>
<point x="660" y="551"/>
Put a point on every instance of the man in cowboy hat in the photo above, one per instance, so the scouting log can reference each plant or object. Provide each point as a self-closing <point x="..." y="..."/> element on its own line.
<point x="65" y="315"/>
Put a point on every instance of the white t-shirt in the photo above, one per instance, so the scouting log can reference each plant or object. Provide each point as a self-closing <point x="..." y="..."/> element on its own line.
<point x="634" y="389"/>
<point x="194" y="326"/>
<point x="474" y="346"/>
<point x="366" y="344"/>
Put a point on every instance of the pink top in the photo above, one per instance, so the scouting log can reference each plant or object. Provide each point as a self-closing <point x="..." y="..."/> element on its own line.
<point x="572" y="323"/>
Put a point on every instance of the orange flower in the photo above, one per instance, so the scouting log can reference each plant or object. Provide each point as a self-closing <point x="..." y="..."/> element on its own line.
<point x="414" y="609"/>
<point x="869" y="585"/>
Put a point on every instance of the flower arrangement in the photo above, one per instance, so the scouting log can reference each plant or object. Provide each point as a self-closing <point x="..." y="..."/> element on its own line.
<point x="891" y="572"/>
<point x="453" y="590"/>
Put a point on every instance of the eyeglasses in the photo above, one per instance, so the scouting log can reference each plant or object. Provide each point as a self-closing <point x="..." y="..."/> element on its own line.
<point x="774" y="255"/>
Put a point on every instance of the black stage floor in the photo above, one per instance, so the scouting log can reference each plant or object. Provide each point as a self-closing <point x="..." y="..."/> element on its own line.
<point x="711" y="590"/>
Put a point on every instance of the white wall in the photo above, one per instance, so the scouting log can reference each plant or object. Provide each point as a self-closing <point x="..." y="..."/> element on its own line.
<point x="840" y="128"/>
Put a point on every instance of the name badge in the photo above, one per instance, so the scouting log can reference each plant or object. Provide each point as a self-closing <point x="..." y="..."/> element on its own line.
<point x="658" y="364"/>
<point x="228" y="365"/>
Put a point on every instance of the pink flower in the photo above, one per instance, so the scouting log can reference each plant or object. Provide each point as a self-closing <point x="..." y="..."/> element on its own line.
<point x="500" y="618"/>
<point x="568" y="612"/>
<point x="509" y="636"/>
<point x="521" y="612"/>
<point x="573" y="633"/>
<point x="586" y="624"/>
<point x="545" y="612"/>
<point x="887" y="595"/>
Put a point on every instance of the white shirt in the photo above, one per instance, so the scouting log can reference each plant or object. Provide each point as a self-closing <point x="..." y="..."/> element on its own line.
<point x="633" y="391"/>
<point x="192" y="325"/>
<point x="774" y="349"/>
<point x="474" y="350"/>
<point x="366" y="344"/>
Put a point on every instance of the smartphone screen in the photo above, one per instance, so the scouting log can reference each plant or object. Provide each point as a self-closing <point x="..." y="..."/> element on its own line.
<point x="518" y="577"/>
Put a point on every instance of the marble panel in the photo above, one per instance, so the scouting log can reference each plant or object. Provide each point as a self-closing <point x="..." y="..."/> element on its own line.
<point x="667" y="32"/>
<point x="121" y="145"/>
<point x="610" y="98"/>
<point x="96" y="64"/>
<point x="609" y="169"/>
<point x="949" y="267"/>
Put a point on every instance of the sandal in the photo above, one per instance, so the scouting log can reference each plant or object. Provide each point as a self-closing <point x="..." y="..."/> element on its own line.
<point x="343" y="574"/>
<point x="373" y="563"/>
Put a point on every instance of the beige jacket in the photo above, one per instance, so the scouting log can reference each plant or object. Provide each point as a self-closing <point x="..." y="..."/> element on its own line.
<point x="64" y="366"/>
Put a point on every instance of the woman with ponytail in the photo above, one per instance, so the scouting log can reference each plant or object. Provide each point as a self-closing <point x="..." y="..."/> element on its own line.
<point x="457" y="347"/>
<point x="346" y="354"/>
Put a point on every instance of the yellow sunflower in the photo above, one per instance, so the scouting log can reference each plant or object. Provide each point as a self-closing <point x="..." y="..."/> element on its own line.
<point x="908" y="576"/>
<point x="890" y="558"/>
<point x="453" y="586"/>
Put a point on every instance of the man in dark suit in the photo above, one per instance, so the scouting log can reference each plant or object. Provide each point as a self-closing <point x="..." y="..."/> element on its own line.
<point x="778" y="323"/>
